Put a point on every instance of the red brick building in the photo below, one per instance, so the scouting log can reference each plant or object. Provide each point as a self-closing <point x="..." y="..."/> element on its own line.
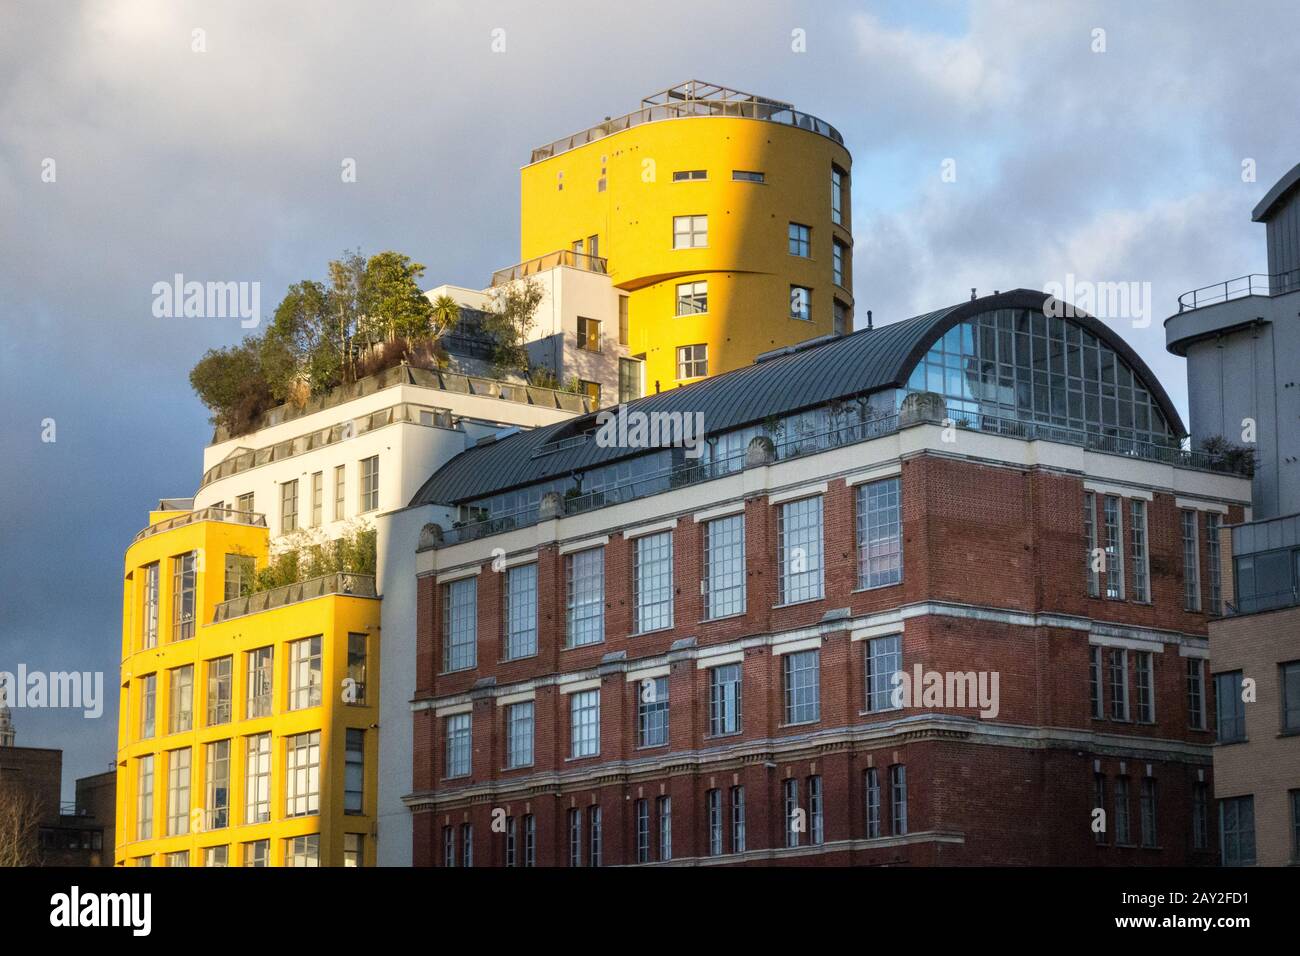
<point x="635" y="656"/>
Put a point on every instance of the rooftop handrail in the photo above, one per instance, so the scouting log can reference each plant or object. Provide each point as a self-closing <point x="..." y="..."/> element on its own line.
<point x="341" y="582"/>
<point x="753" y="108"/>
<point x="231" y="515"/>
<point x="1254" y="284"/>
<point x="1267" y="601"/>
<point x="550" y="260"/>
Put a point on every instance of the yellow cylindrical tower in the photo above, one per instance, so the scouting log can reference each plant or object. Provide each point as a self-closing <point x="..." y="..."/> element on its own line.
<point x="723" y="216"/>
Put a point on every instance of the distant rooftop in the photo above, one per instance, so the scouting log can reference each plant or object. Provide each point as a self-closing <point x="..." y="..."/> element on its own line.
<point x="693" y="98"/>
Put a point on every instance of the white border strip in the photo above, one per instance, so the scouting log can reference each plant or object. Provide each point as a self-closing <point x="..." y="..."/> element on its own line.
<point x="717" y="660"/>
<point x="520" y="698"/>
<point x="1200" y="504"/>
<point x="451" y="710"/>
<point x="1123" y="491"/>
<point x="647" y="673"/>
<point x="721" y="511"/>
<point x="874" y="474"/>
<point x="1128" y="643"/>
<point x="807" y="491"/>
<point x="459" y="575"/>
<point x="578" y="686"/>
<point x="518" y="559"/>
<point x="584" y="544"/>
<point x="876" y="630"/>
<point x="642" y="530"/>
<point x="791" y="647"/>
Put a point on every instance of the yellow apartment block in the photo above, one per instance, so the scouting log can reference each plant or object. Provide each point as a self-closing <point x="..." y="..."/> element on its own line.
<point x="248" y="732"/>
<point x="724" y="217"/>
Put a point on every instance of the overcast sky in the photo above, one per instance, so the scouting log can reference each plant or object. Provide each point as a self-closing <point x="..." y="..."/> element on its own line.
<point x="225" y="164"/>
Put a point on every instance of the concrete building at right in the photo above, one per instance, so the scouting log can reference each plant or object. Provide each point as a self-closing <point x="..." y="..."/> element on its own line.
<point x="1241" y="339"/>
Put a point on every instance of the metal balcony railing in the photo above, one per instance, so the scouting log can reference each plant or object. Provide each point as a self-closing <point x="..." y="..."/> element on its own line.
<point x="551" y="260"/>
<point x="1268" y="601"/>
<point x="229" y="515"/>
<point x="342" y="582"/>
<point x="1239" y="288"/>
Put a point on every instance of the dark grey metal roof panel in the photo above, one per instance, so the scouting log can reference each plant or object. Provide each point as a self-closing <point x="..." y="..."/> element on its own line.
<point x="865" y="361"/>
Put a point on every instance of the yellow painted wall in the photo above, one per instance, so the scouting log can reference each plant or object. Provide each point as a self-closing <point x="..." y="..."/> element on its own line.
<point x="333" y="617"/>
<point x="746" y="263"/>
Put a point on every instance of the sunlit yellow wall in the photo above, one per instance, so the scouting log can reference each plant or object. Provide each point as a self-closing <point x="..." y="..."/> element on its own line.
<point x="747" y="263"/>
<point x="333" y="617"/>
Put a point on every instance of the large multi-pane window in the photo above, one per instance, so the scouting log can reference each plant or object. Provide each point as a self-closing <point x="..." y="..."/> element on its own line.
<point x="257" y="853"/>
<point x="652" y="712"/>
<point x="664" y="806"/>
<point x="1096" y="703"/>
<point x="340" y="492"/>
<point x="713" y="809"/>
<point x="520" y="612"/>
<point x="1200" y="815"/>
<point x="790" y="810"/>
<point x="217" y="770"/>
<point x="1123" y="828"/>
<point x="1138" y="550"/>
<point x="799" y="550"/>
<point x="519" y="734"/>
<point x="1022" y="364"/>
<point x="317" y="498"/>
<point x="460" y="624"/>
<point x="898" y="799"/>
<point x="1118" y="683"/>
<point x="144" y="798"/>
<point x="1113" y="523"/>
<point x="257" y="778"/>
<point x="738" y="819"/>
<point x="724" y="699"/>
<point x="1237" y="831"/>
<point x="799" y="240"/>
<point x="838" y="178"/>
<point x="216" y="856"/>
<point x="880" y="534"/>
<point x="357" y="663"/>
<point x="1090" y="547"/>
<point x="354" y="771"/>
<point x="585" y="597"/>
<point x="652" y="582"/>
<point x="150" y="615"/>
<point x="1144" y="664"/>
<point x="178" y="792"/>
<point x="148" y="705"/>
<point x="692" y="298"/>
<point x="584" y="723"/>
<point x="302" y="850"/>
<point x="369" y="483"/>
<point x="1289" y="681"/>
<point x="302" y="774"/>
<point x="1147" y="811"/>
<point x="459" y="733"/>
<point x="1213" y="523"/>
<point x="802" y="686"/>
<point x="1196" y="693"/>
<point x="871" y="796"/>
<point x="184" y="567"/>
<point x="289" y="506"/>
<point x="816" y="815"/>
<point x="239" y="576"/>
<point x="724" y="566"/>
<point x="258" y="703"/>
<point x="180" y="709"/>
<point x="884" y="659"/>
<point x="692" y="361"/>
<point x="839" y="254"/>
<point x="1191" y="561"/>
<point x="1230" y="710"/>
<point x="642" y="811"/>
<point x="305" y="673"/>
<point x="690" y="232"/>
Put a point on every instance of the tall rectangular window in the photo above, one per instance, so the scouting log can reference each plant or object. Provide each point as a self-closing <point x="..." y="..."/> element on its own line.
<point x="652" y="712"/>
<point x="1294" y="796"/>
<point x="357" y="663"/>
<point x="1147" y="812"/>
<point x="839" y="254"/>
<point x="738" y="819"/>
<point x="459" y="732"/>
<point x="305" y="673"/>
<point x="1196" y="693"/>
<point x="1114" y="525"/>
<point x="1213" y="555"/>
<point x="1230" y="711"/>
<point x="588" y="334"/>
<point x="584" y="723"/>
<point x="1090" y="539"/>
<point x="354" y="771"/>
<point x="801" y="303"/>
<point x="317" y="498"/>
<point x="652" y="582"/>
<point x="624" y="323"/>
<point x="180" y="708"/>
<point x="148" y="705"/>
<point x="816" y="818"/>
<point x="1095" y="682"/>
<point x="880" y="534"/>
<point x="369" y="483"/>
<point x="839" y="317"/>
<point x="713" y="808"/>
<point x="692" y="298"/>
<point x="352" y="849"/>
<point x="449" y="846"/>
<point x="244" y="504"/>
<point x="724" y="699"/>
<point x="585" y="597"/>
<point x="838" y="179"/>
<point x="257" y="853"/>
<point x="690" y="232"/>
<point x="1289" y="681"/>
<point x="1099" y="802"/>
<point x="1237" y="831"/>
<point x="178" y="792"/>
<point x="1118" y="683"/>
<point x="302" y="774"/>
<point x="301" y="851"/>
<point x="144" y="798"/>
<point x="692" y="361"/>
<point x="521" y="611"/>
<point x="799" y="239"/>
<point x="884" y="658"/>
<point x="871" y="795"/>
<point x="340" y="492"/>
<point x="898" y="798"/>
<point x="790" y="810"/>
<point x="216" y="856"/>
<point x="184" y="567"/>
<point x="519" y="735"/>
<point x="594" y="837"/>
<point x="1123" y="831"/>
<point x="239" y="576"/>
<point x="799" y="550"/>
<point x="724" y="566"/>
<point x="1138" y="550"/>
<point x="257" y="778"/>
<point x="259" y="672"/>
<point x="1200" y="815"/>
<point x="1144" y="664"/>
<point x="530" y="840"/>
<point x="289" y="506"/>
<point x="150" y="614"/>
<point x="664" y="806"/>
<point x="642" y="810"/>
<point x="629" y="379"/>
<point x="575" y="836"/>
<point x="217" y="771"/>
<point x="1191" y="561"/>
<point x="802" y="686"/>
<point x="460" y="624"/>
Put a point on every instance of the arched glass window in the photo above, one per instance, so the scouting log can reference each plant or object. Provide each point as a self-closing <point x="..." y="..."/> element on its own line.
<point x="1022" y="364"/>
